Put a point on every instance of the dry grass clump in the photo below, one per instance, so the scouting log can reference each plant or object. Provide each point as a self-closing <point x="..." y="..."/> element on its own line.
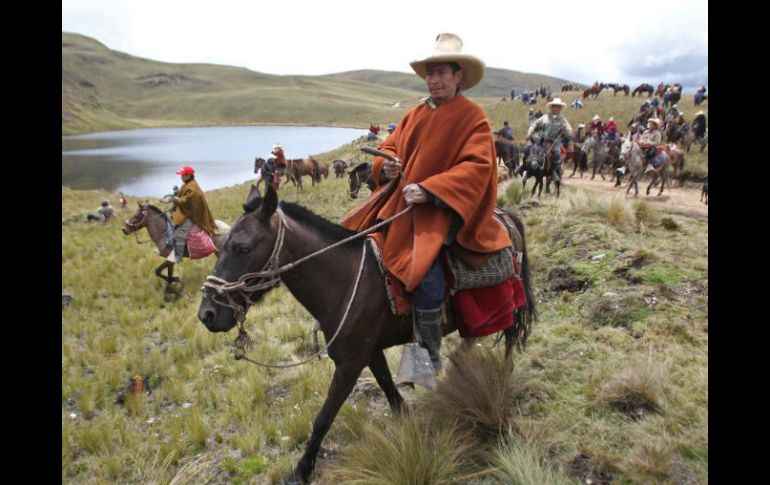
<point x="635" y="390"/>
<point x="476" y="391"/>
<point x="522" y="463"/>
<point x="404" y="451"/>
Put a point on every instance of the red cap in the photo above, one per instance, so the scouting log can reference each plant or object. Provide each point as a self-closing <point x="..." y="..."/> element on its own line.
<point x="186" y="171"/>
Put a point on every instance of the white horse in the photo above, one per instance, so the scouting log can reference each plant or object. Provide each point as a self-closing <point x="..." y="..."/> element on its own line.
<point x="631" y="154"/>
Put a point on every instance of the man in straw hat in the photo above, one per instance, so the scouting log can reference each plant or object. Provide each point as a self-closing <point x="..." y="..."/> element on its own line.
<point x="651" y="139"/>
<point x="446" y="170"/>
<point x="554" y="129"/>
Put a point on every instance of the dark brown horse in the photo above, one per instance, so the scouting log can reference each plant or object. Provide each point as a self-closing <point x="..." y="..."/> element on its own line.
<point x="361" y="336"/>
<point x="339" y="168"/>
<point x="508" y="153"/>
<point x="618" y="87"/>
<point x="643" y="88"/>
<point x="360" y="175"/>
<point x="157" y="224"/>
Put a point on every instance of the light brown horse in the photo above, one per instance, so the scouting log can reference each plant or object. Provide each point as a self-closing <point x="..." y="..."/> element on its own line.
<point x="157" y="224"/>
<point x="298" y="167"/>
<point x="593" y="91"/>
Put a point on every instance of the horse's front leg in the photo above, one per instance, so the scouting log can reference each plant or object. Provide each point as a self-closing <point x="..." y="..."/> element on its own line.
<point x="345" y="376"/>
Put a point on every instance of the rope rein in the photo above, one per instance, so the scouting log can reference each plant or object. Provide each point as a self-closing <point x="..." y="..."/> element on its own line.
<point x="269" y="277"/>
<point x="240" y="352"/>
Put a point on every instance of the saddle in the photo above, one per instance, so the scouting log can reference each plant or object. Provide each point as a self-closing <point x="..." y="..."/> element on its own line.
<point x="482" y="292"/>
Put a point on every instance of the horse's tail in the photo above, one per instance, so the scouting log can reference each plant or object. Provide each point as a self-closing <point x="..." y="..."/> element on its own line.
<point x="524" y="316"/>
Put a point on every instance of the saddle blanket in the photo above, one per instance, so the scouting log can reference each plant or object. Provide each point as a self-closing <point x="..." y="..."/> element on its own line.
<point x="477" y="311"/>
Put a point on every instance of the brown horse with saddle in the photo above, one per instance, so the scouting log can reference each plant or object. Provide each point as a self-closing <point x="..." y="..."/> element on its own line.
<point x="319" y="263"/>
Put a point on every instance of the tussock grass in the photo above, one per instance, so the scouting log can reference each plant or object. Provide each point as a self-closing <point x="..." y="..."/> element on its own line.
<point x="403" y="451"/>
<point x="651" y="460"/>
<point x="636" y="389"/>
<point x="476" y="391"/>
<point x="521" y="463"/>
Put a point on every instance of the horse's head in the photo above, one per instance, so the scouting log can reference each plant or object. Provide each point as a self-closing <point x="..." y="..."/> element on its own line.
<point x="246" y="249"/>
<point x="625" y="149"/>
<point x="359" y="175"/>
<point x="536" y="158"/>
<point x="138" y="220"/>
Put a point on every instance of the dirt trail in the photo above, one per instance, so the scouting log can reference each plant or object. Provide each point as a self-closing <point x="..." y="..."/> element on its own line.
<point x="684" y="200"/>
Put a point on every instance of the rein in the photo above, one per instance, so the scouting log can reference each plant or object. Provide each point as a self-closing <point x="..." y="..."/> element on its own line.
<point x="269" y="277"/>
<point x="143" y="222"/>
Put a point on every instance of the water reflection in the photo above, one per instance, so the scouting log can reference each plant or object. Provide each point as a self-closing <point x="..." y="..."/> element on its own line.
<point x="143" y="162"/>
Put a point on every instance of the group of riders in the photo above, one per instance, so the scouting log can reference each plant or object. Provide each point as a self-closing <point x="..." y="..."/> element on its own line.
<point x="554" y="133"/>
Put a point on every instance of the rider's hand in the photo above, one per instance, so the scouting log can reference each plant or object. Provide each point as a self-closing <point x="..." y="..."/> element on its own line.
<point x="392" y="169"/>
<point x="414" y="194"/>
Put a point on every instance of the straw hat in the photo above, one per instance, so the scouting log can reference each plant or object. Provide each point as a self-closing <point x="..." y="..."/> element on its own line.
<point x="447" y="49"/>
<point x="277" y="146"/>
<point x="556" y="101"/>
<point x="653" y="120"/>
<point x="596" y="118"/>
<point x="700" y="113"/>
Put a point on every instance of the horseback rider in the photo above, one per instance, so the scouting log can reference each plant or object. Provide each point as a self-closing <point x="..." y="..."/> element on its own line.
<point x="553" y="127"/>
<point x="611" y="123"/>
<point x="650" y="141"/>
<point x="507" y="131"/>
<point x="190" y="207"/>
<point x="274" y="167"/>
<point x="699" y="125"/>
<point x="611" y="136"/>
<point x="391" y="128"/>
<point x="440" y="145"/>
<point x="672" y="113"/>
<point x="596" y="124"/>
<point x="634" y="134"/>
<point x="580" y="134"/>
<point x="531" y="117"/>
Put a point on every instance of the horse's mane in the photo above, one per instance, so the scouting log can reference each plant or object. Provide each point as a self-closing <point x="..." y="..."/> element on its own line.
<point x="361" y="167"/>
<point x="323" y="226"/>
<point x="156" y="210"/>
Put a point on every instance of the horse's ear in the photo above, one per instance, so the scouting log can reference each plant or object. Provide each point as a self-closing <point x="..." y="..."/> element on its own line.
<point x="269" y="204"/>
<point x="252" y="200"/>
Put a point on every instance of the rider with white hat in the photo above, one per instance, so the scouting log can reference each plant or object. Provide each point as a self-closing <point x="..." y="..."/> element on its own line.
<point x="554" y="128"/>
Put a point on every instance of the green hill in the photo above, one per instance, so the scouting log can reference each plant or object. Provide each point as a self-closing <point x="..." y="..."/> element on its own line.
<point x="496" y="83"/>
<point x="103" y="89"/>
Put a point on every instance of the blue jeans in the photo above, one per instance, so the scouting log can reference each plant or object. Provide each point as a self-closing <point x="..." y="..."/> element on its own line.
<point x="429" y="294"/>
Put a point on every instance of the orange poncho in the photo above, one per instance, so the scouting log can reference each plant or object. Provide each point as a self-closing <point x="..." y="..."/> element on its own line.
<point x="450" y="153"/>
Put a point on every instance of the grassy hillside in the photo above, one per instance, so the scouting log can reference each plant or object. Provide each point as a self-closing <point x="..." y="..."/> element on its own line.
<point x="496" y="83"/>
<point x="103" y="89"/>
<point x="613" y="387"/>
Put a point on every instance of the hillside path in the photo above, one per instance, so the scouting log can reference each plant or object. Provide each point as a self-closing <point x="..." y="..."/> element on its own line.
<point x="684" y="200"/>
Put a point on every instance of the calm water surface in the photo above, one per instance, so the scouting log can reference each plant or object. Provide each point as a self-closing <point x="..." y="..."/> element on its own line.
<point x="142" y="162"/>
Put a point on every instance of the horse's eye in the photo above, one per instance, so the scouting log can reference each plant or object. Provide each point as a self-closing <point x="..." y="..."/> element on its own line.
<point x="243" y="249"/>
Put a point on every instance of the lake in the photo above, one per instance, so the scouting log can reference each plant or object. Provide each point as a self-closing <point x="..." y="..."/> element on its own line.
<point x="142" y="162"/>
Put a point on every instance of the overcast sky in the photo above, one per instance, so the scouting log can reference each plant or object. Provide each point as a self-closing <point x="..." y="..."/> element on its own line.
<point x="583" y="41"/>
